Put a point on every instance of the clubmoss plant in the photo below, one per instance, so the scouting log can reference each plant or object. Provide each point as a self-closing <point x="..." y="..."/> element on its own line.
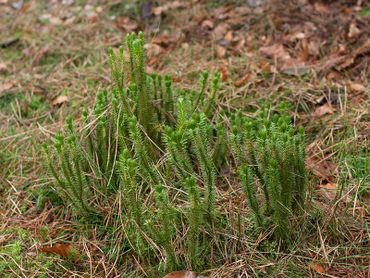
<point x="131" y="141"/>
<point x="195" y="220"/>
<point x="146" y="165"/>
<point x="271" y="157"/>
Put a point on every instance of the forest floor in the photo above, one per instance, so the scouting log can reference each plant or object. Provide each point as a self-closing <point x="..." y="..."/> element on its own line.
<point x="313" y="55"/>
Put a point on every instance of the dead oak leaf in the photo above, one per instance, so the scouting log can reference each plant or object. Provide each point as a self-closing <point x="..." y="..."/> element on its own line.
<point x="263" y="66"/>
<point x="324" y="169"/>
<point x="170" y="5"/>
<point x="329" y="186"/>
<point x="222" y="12"/>
<point x="229" y="36"/>
<point x="348" y="60"/>
<point x="297" y="35"/>
<point x="328" y="191"/>
<point x="321" y="8"/>
<point x="333" y="76"/>
<point x="224" y="73"/>
<point x="318" y="268"/>
<point x="243" y="80"/>
<point x="275" y="51"/>
<point x="207" y="24"/>
<point x="323" y="110"/>
<point x="163" y="40"/>
<point x="60" y="100"/>
<point x="305" y="49"/>
<point x="220" y="51"/>
<point x="353" y="31"/>
<point x="176" y="78"/>
<point x="61" y="249"/>
<point x="153" y="50"/>
<point x="356" y="87"/>
<point x="220" y="31"/>
<point x="126" y="24"/>
<point x="7" y="85"/>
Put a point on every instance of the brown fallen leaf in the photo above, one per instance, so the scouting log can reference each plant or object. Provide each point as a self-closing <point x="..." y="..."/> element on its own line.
<point x="159" y="10"/>
<point x="323" y="110"/>
<point x="153" y="50"/>
<point x="243" y="80"/>
<point x="353" y="31"/>
<point x="92" y="17"/>
<point x="3" y="67"/>
<point x="163" y="40"/>
<point x="207" y="24"/>
<point x="126" y="24"/>
<point x="5" y="9"/>
<point x="229" y="36"/>
<point x="176" y="79"/>
<point x="333" y="76"/>
<point x="224" y="73"/>
<point x="342" y="49"/>
<point x="321" y="166"/>
<point x="60" y="100"/>
<point x="222" y="12"/>
<point x="329" y="186"/>
<point x="185" y="45"/>
<point x="26" y="7"/>
<point x="297" y="35"/>
<point x="170" y="5"/>
<point x="242" y="10"/>
<point x="182" y="274"/>
<point x="275" y="51"/>
<point x="321" y="8"/>
<point x="154" y="62"/>
<point x="61" y="249"/>
<point x="305" y="50"/>
<point x="318" y="268"/>
<point x="356" y="87"/>
<point x="323" y="169"/>
<point x="220" y="31"/>
<point x="220" y="51"/>
<point x="7" y="85"/>
<point x="328" y="191"/>
<point x="264" y="66"/>
<point x="348" y="60"/>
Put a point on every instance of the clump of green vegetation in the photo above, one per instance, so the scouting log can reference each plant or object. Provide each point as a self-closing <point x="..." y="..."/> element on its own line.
<point x="355" y="164"/>
<point x="271" y="158"/>
<point x="14" y="260"/>
<point x="146" y="164"/>
<point x="142" y="142"/>
<point x="12" y="250"/>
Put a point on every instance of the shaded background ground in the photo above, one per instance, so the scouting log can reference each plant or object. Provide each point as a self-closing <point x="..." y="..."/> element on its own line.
<point x="313" y="55"/>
